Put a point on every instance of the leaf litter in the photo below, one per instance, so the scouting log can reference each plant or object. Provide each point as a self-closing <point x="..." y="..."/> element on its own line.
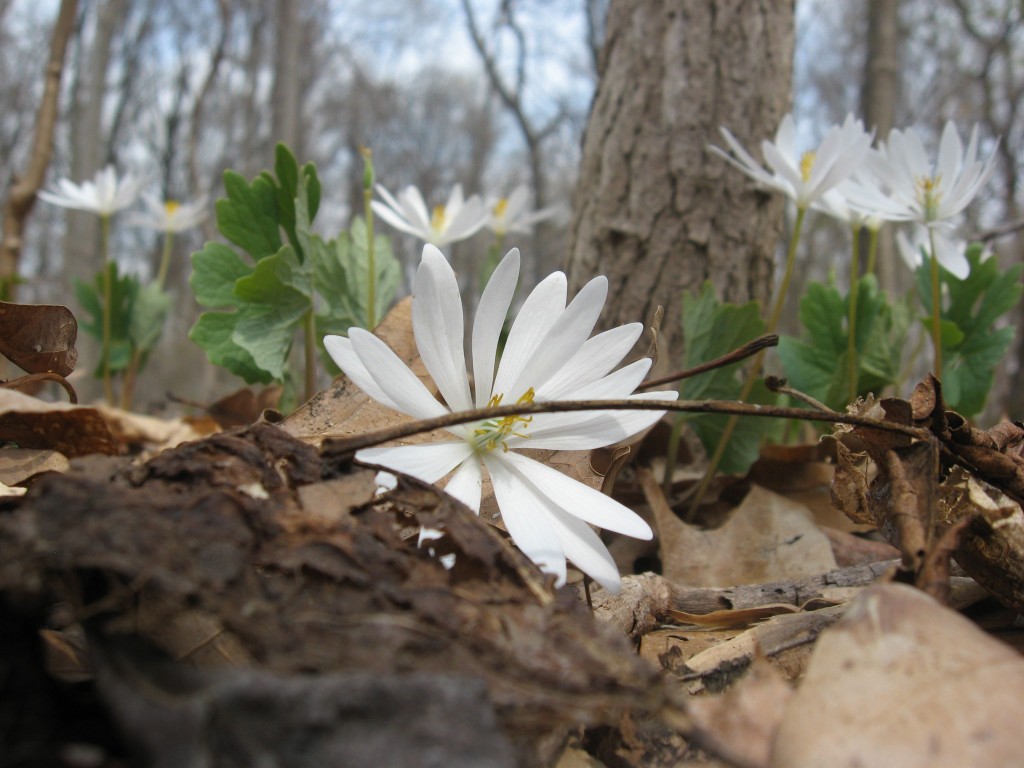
<point x="250" y="597"/>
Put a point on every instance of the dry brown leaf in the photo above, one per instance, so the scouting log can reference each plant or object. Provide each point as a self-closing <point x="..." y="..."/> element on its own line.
<point x="71" y="429"/>
<point x="902" y="681"/>
<point x="130" y="428"/>
<point x="766" y="538"/>
<point x="734" y="618"/>
<point x="39" y="338"/>
<point x="19" y="464"/>
<point x="740" y="724"/>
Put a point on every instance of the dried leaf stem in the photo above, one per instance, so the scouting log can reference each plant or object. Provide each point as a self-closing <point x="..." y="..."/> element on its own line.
<point x="348" y="444"/>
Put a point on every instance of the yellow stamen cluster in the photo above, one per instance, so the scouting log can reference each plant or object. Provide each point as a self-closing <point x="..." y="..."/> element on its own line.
<point x="171" y="206"/>
<point x="494" y="432"/>
<point x="437" y="220"/>
<point x="500" y="207"/>
<point x="929" y="195"/>
<point x="806" y="165"/>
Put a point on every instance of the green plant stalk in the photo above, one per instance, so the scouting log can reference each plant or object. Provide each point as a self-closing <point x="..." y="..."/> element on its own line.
<point x="132" y="373"/>
<point x="371" y="263"/>
<point x="755" y="366"/>
<point x="936" y="308"/>
<point x="851" y="323"/>
<point x="108" y="386"/>
<point x="872" y="250"/>
<point x="165" y="259"/>
<point x="309" y="350"/>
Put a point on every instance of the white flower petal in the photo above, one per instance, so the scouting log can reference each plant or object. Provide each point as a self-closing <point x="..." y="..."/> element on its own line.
<point x="594" y="359"/>
<point x="490" y="319"/>
<point x="538" y="314"/>
<point x="525" y="519"/>
<point x="393" y="377"/>
<point x="585" y="549"/>
<point x="428" y="462"/>
<point x="345" y="357"/>
<point x="574" y="497"/>
<point x="466" y="484"/>
<point x="437" y="325"/>
<point x="564" y="338"/>
<point x="586" y="430"/>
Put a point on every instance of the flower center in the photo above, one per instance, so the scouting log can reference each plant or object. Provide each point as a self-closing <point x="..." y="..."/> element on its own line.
<point x="500" y="207"/>
<point x="439" y="219"/>
<point x="171" y="207"/>
<point x="806" y="165"/>
<point x="494" y="432"/>
<point x="929" y="196"/>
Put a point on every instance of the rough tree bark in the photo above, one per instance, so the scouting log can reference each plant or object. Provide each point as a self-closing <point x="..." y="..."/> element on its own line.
<point x="880" y="90"/>
<point x="656" y="211"/>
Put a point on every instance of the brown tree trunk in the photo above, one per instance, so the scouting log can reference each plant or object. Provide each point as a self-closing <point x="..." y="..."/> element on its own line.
<point x="655" y="210"/>
<point x="879" y="95"/>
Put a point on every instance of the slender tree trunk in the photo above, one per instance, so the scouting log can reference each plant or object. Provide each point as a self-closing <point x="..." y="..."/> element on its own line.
<point x="81" y="254"/>
<point x="286" y="75"/>
<point x="880" y="90"/>
<point x="655" y="210"/>
<point x="22" y="195"/>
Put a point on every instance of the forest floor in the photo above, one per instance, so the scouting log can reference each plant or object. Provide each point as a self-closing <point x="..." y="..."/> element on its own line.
<point x="234" y="589"/>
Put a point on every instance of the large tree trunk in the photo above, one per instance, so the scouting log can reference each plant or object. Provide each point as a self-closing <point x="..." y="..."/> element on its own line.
<point x="655" y="211"/>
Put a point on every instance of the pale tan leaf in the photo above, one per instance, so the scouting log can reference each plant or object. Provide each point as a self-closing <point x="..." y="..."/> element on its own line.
<point x="903" y="681"/>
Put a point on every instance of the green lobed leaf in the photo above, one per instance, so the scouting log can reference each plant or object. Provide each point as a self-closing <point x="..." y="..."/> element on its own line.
<point x="214" y="332"/>
<point x="712" y="329"/>
<point x="818" y="364"/>
<point x="972" y="346"/>
<point x="123" y="291"/>
<point x="150" y="309"/>
<point x="249" y="215"/>
<point x="214" y="272"/>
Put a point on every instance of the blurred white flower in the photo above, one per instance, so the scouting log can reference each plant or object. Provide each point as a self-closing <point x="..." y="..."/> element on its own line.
<point x="511" y="214"/>
<point x="170" y="215"/>
<point x="104" y="195"/>
<point x="918" y="190"/>
<point x="548" y="356"/>
<point x="803" y="177"/>
<point x="950" y="251"/>
<point x="456" y="220"/>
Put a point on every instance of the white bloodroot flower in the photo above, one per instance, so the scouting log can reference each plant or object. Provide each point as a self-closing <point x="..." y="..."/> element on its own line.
<point x="104" y="195"/>
<point x="917" y="190"/>
<point x="512" y="214"/>
<point x="456" y="220"/>
<point x="170" y="216"/>
<point x="549" y="355"/>
<point x="803" y="177"/>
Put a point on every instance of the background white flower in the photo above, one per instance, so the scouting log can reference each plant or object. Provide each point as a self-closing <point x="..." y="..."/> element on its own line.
<point x="456" y="220"/>
<point x="803" y="177"/>
<point x="104" y="195"/>
<point x="549" y="355"/>
<point x="918" y="190"/>
<point x="170" y="215"/>
<point x="512" y="214"/>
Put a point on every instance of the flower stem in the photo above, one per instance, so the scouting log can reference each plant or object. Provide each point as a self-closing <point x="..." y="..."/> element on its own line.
<point x="165" y="259"/>
<point x="936" y="308"/>
<point x="872" y="250"/>
<point x="108" y="386"/>
<point x="851" y="324"/>
<point x="755" y="366"/>
<point x="371" y="254"/>
<point x="309" y="339"/>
